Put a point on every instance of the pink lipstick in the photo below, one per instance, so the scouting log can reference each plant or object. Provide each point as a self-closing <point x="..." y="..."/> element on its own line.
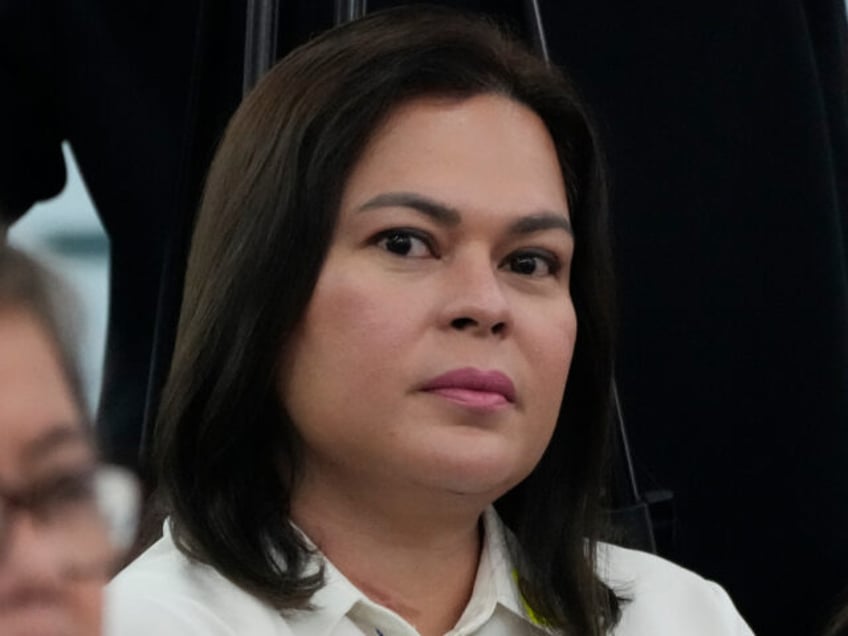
<point x="474" y="388"/>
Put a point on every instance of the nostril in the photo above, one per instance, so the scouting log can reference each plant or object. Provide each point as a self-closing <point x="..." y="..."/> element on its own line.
<point x="462" y="323"/>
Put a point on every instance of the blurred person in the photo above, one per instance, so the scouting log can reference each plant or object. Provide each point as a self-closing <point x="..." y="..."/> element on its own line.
<point x="63" y="517"/>
<point x="382" y="417"/>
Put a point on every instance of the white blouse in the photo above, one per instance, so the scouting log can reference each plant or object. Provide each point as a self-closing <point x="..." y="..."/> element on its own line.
<point x="166" y="594"/>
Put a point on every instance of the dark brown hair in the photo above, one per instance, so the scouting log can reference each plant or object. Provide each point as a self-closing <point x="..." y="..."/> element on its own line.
<point x="226" y="453"/>
<point x="838" y="623"/>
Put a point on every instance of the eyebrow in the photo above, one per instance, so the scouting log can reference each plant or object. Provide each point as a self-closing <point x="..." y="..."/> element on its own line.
<point x="60" y="436"/>
<point x="439" y="212"/>
<point x="542" y="221"/>
<point x="450" y="217"/>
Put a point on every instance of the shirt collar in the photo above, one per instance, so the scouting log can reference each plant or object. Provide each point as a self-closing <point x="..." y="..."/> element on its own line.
<point x="330" y="604"/>
<point x="494" y="586"/>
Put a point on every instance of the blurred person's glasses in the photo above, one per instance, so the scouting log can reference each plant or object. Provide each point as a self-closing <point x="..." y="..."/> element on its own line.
<point x="88" y="518"/>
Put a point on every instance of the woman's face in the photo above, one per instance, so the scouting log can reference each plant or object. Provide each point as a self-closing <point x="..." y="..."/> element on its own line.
<point x="42" y="444"/>
<point x="435" y="349"/>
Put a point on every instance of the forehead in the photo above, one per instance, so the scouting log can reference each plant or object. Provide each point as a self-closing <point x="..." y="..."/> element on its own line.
<point x="37" y="408"/>
<point x="485" y="151"/>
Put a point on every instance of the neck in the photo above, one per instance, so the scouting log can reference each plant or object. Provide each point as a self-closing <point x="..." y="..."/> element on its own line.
<point x="419" y="561"/>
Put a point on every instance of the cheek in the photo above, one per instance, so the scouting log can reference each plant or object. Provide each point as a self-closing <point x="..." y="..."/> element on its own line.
<point x="346" y="308"/>
<point x="555" y="329"/>
<point x="355" y="336"/>
<point x="553" y="349"/>
<point x="356" y="321"/>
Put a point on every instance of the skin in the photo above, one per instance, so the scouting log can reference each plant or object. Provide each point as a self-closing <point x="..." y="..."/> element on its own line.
<point x="41" y="438"/>
<point x="452" y="250"/>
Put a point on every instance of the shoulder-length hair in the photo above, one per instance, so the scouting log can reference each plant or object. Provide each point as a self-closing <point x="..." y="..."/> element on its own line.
<point x="226" y="453"/>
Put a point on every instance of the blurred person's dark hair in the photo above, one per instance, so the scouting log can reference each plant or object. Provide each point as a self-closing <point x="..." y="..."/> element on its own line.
<point x="226" y="455"/>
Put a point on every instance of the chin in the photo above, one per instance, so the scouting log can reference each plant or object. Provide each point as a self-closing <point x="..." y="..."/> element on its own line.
<point x="485" y="478"/>
<point x="78" y="613"/>
<point x="41" y="622"/>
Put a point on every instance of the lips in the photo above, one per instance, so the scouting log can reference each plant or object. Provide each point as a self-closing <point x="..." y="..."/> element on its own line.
<point x="473" y="387"/>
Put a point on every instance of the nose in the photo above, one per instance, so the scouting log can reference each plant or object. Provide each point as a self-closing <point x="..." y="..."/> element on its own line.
<point x="476" y="302"/>
<point x="28" y="556"/>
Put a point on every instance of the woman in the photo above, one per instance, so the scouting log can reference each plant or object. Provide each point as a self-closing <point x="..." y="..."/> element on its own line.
<point x="57" y="508"/>
<point x="401" y="231"/>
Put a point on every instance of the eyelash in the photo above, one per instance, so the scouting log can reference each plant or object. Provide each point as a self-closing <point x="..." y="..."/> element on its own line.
<point x="406" y="233"/>
<point x="551" y="261"/>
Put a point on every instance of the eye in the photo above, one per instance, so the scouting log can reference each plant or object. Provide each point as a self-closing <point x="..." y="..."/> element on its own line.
<point x="63" y="495"/>
<point x="535" y="264"/>
<point x="408" y="243"/>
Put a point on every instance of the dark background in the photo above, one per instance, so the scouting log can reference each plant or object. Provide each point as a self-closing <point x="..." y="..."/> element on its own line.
<point x="726" y="125"/>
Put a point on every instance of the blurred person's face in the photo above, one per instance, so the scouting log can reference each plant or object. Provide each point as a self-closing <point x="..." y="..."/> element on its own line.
<point x="434" y="352"/>
<point x="44" y="456"/>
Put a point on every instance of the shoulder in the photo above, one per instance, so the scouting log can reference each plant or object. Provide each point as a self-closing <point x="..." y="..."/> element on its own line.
<point x="664" y="598"/>
<point x="165" y="593"/>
